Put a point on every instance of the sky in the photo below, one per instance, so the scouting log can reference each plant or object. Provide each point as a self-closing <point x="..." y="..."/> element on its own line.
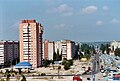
<point x="77" y="20"/>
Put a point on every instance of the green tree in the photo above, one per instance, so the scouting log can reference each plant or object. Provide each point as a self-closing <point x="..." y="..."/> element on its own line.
<point x="64" y="61"/>
<point x="23" y="78"/>
<point x="117" y="52"/>
<point x="2" y="80"/>
<point x="87" y="49"/>
<point x="8" y="77"/>
<point x="67" y="66"/>
<point x="107" y="48"/>
<point x="54" y="56"/>
<point x="57" y="56"/>
<point x="70" y="62"/>
<point x="46" y="62"/>
<point x="102" y="48"/>
<point x="67" y="63"/>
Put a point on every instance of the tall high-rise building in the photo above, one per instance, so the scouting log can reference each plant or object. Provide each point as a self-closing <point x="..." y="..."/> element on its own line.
<point x="9" y="51"/>
<point x="31" y="42"/>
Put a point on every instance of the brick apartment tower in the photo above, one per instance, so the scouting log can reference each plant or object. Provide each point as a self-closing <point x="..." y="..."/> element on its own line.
<point x="31" y="42"/>
<point x="46" y="42"/>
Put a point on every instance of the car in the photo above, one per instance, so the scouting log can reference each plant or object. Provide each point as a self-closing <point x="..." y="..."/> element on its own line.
<point x="102" y="70"/>
<point x="112" y="71"/>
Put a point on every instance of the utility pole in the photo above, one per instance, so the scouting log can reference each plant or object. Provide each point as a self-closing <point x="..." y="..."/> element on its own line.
<point x="59" y="67"/>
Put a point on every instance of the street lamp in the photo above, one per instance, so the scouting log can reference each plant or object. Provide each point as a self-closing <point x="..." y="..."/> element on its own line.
<point x="59" y="67"/>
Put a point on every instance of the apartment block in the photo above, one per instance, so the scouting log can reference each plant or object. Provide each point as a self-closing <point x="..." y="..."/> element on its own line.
<point x="65" y="47"/>
<point x="68" y="49"/>
<point x="31" y="42"/>
<point x="9" y="50"/>
<point x="48" y="50"/>
<point x="114" y="44"/>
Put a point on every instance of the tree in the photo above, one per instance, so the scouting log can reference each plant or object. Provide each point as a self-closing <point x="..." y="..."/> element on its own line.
<point x="59" y="67"/>
<point x="14" y="62"/>
<point x="102" y="48"/>
<point x="7" y="63"/>
<point x="54" y="56"/>
<point x="64" y="61"/>
<point x="107" y="48"/>
<point x="8" y="77"/>
<point x="117" y="52"/>
<point x="46" y="62"/>
<point x="67" y="66"/>
<point x="70" y="62"/>
<point x="67" y="63"/>
<point x="87" y="49"/>
<point x="23" y="78"/>
<point x="57" y="56"/>
<point x="20" y="71"/>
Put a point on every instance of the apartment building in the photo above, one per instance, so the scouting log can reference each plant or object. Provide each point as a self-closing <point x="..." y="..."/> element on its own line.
<point x="68" y="49"/>
<point x="65" y="47"/>
<point x="31" y="42"/>
<point x="48" y="49"/>
<point x="114" y="44"/>
<point x="9" y="50"/>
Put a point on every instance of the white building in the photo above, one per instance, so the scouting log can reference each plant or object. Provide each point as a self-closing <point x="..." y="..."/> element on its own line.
<point x="113" y="46"/>
<point x="65" y="47"/>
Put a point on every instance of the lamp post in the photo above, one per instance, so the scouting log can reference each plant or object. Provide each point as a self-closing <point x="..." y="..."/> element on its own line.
<point x="59" y="67"/>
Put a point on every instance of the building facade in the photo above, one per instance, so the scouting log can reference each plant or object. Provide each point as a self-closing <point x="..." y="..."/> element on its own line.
<point x="9" y="51"/>
<point x="65" y="47"/>
<point x="114" y="44"/>
<point x="68" y="49"/>
<point x="31" y="42"/>
<point x="48" y="50"/>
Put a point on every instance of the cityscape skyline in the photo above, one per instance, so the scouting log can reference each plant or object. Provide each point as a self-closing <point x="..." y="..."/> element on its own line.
<point x="82" y="20"/>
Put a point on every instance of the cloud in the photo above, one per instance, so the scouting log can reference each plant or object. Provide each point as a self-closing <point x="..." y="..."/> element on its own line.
<point x="63" y="9"/>
<point x="60" y="26"/>
<point x="105" y="8"/>
<point x="115" y="21"/>
<point x="89" y="9"/>
<point x="98" y="23"/>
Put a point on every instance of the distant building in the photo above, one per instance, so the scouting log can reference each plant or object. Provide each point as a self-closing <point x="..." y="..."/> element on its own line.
<point x="9" y="50"/>
<point x="68" y="49"/>
<point x="113" y="46"/>
<point x="48" y="50"/>
<point x="65" y="47"/>
<point x="31" y="42"/>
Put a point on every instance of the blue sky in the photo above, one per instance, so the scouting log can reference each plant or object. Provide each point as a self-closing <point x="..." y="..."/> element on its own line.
<point x="79" y="20"/>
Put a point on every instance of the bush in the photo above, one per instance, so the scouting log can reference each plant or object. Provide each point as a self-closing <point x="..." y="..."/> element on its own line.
<point x="12" y="75"/>
<point x="38" y="74"/>
<point x="71" y="62"/>
<point x="2" y="80"/>
<point x="43" y="74"/>
<point x="23" y="78"/>
<point x="67" y="66"/>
